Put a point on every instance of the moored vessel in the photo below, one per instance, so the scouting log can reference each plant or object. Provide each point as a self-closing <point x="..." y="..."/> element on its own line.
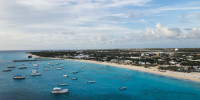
<point x="58" y="90"/>
<point x="35" y="73"/>
<point x="6" y="70"/>
<point x="19" y="77"/>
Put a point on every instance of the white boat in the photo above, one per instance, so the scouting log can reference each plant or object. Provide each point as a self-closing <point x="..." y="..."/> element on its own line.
<point x="64" y="84"/>
<point x="49" y="63"/>
<point x="122" y="88"/>
<point x="59" y="90"/>
<point x="74" y="78"/>
<point x="35" y="73"/>
<point x="90" y="81"/>
<point x="59" y="68"/>
<point x="65" y="75"/>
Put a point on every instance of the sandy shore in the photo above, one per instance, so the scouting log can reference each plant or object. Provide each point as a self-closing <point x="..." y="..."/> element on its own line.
<point x="188" y="76"/>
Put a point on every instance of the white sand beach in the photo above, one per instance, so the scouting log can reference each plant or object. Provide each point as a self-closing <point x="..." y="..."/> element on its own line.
<point x="188" y="76"/>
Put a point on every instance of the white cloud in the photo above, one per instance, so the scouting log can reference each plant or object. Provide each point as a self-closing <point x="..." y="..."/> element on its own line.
<point x="164" y="32"/>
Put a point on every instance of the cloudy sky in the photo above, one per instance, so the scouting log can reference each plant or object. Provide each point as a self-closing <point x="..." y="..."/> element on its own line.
<point x="89" y="24"/>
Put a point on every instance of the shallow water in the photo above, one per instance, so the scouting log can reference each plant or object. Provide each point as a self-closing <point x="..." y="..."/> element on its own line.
<point x="140" y="85"/>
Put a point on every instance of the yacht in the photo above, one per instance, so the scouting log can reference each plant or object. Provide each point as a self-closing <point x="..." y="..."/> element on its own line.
<point x="90" y="81"/>
<point x="22" y="67"/>
<point x="6" y="70"/>
<point x="35" y="73"/>
<point x="19" y="77"/>
<point x="122" y="88"/>
<point x="59" y="90"/>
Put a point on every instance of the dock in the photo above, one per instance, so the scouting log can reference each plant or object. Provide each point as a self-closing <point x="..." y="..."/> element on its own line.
<point x="38" y="59"/>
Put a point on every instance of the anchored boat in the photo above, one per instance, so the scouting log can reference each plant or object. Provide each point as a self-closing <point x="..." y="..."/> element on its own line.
<point x="122" y="88"/>
<point x="35" y="65"/>
<point x="35" y="73"/>
<point x="90" y="81"/>
<point x="11" y="66"/>
<point x="64" y="84"/>
<point x="65" y="75"/>
<point x="6" y="70"/>
<point x="19" y="77"/>
<point x="74" y="78"/>
<point x="22" y="67"/>
<point x="59" y="68"/>
<point x="58" y="90"/>
<point x="75" y="72"/>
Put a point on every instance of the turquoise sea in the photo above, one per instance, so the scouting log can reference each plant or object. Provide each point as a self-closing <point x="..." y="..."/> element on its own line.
<point x="140" y="85"/>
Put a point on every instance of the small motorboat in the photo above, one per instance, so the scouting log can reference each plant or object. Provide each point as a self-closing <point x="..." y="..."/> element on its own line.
<point x="6" y="70"/>
<point x="49" y="63"/>
<point x="122" y="88"/>
<point x="19" y="77"/>
<point x="75" y="72"/>
<point x="65" y="75"/>
<point x="11" y="66"/>
<point x="58" y="90"/>
<point x="35" y="73"/>
<point x="59" y="68"/>
<point x="64" y="84"/>
<point x="82" y="69"/>
<point x="90" y="81"/>
<point x="22" y="67"/>
<point x="74" y="78"/>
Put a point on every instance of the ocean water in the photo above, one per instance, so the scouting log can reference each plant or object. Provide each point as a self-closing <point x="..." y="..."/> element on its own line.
<point x="140" y="85"/>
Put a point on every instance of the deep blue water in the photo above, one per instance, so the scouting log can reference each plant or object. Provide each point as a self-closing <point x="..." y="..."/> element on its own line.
<point x="140" y="85"/>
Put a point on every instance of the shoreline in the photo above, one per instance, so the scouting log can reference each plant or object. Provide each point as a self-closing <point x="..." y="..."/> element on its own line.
<point x="180" y="75"/>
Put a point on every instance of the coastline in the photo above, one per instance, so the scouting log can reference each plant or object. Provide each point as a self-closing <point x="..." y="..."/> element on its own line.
<point x="180" y="75"/>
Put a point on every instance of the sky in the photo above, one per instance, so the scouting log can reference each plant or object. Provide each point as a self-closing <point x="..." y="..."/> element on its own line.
<point x="99" y="24"/>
